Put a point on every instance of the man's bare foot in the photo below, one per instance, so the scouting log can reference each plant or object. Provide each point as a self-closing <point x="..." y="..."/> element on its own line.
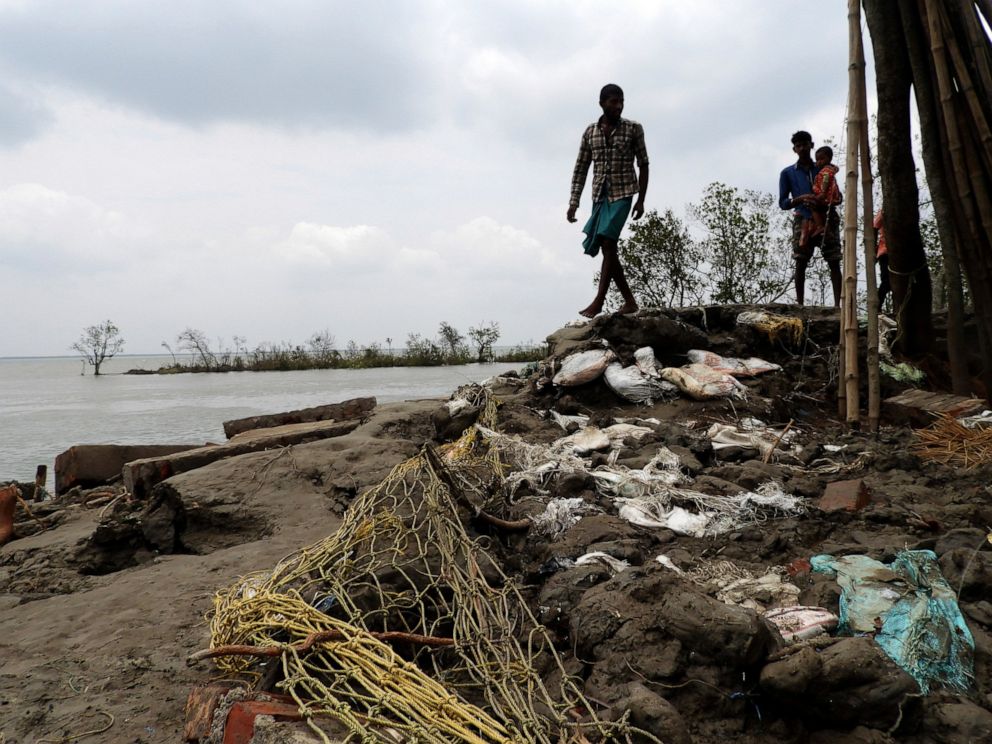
<point x="592" y="311"/>
<point x="628" y="308"/>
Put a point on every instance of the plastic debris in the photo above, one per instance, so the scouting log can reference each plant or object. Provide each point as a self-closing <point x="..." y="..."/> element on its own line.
<point x="981" y="420"/>
<point x="619" y="432"/>
<point x="799" y="623"/>
<point x="616" y="565"/>
<point x="589" y="439"/>
<point x="903" y="372"/>
<point x="569" y="423"/>
<point x="645" y="361"/>
<point x="667" y="562"/>
<point x="662" y="470"/>
<point x="583" y="367"/>
<point x="703" y="383"/>
<point x="559" y="515"/>
<point x="760" y="592"/>
<point x="887" y="328"/>
<point x="555" y="564"/>
<point x="714" y="514"/>
<point x="653" y="513"/>
<point x="911" y="610"/>
<point x="632" y="384"/>
<point x="759" y="440"/>
<point x="732" y="365"/>
<point x="457" y="405"/>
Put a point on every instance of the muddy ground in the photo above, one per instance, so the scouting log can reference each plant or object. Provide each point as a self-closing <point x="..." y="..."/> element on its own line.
<point x="99" y="613"/>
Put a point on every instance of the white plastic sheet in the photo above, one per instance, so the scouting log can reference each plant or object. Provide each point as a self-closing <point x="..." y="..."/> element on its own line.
<point x="616" y="565"/>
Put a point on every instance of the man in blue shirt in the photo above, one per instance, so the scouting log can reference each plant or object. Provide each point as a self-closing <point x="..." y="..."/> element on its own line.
<point x="795" y="191"/>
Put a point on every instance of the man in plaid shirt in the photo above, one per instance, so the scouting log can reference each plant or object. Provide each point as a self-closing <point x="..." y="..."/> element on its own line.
<point x="611" y="144"/>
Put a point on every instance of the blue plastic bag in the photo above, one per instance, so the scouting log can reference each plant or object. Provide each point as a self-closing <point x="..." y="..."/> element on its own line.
<point x="910" y="609"/>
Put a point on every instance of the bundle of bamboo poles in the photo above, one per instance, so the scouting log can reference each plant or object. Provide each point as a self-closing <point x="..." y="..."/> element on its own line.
<point x="961" y="65"/>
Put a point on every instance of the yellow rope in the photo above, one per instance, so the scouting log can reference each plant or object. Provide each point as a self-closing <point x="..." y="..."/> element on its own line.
<point x="781" y="326"/>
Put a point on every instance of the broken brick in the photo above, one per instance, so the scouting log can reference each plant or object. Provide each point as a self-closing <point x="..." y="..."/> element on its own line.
<point x="846" y="495"/>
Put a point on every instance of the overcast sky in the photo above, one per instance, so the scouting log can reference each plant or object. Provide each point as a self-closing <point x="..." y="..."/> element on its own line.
<point x="271" y="170"/>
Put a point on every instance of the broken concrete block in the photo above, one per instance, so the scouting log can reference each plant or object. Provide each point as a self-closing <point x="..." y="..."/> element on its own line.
<point x="353" y="408"/>
<point x="141" y="475"/>
<point x="90" y="465"/>
<point x="846" y="495"/>
<point x="8" y="505"/>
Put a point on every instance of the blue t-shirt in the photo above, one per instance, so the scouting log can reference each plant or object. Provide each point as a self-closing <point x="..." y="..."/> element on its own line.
<point x="794" y="182"/>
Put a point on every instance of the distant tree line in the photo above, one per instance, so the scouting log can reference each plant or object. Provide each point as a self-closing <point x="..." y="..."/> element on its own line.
<point x="321" y="351"/>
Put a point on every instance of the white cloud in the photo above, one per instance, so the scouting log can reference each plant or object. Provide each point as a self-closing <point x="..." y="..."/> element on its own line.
<point x="359" y="248"/>
<point x="373" y="169"/>
<point x="42" y="229"/>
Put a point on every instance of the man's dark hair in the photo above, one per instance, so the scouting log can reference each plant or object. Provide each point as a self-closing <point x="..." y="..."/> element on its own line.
<point x="827" y="149"/>
<point x="610" y="89"/>
<point x="801" y="136"/>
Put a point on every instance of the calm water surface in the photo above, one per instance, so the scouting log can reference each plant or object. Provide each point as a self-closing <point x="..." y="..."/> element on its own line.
<point x="46" y="406"/>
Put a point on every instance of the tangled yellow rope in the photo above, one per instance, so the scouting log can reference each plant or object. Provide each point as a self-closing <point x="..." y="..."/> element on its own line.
<point x="403" y="561"/>
<point x="777" y="327"/>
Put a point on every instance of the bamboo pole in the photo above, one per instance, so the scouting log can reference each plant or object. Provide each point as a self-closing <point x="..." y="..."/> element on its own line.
<point x="978" y="40"/>
<point x="969" y="176"/>
<point x="971" y="97"/>
<point x="870" y="244"/>
<point x="849" y="288"/>
<point x="969" y="183"/>
<point x="945" y="92"/>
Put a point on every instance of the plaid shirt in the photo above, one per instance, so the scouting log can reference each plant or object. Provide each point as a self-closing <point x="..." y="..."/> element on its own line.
<point x="613" y="157"/>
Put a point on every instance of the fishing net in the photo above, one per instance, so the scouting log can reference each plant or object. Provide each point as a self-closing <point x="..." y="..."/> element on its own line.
<point x="403" y="563"/>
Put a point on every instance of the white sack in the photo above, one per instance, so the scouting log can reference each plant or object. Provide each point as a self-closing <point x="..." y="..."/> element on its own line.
<point x="732" y="365"/>
<point x="583" y="367"/>
<point x="631" y="383"/>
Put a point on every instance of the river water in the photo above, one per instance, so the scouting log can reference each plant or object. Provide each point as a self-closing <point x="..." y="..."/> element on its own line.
<point x="46" y="406"/>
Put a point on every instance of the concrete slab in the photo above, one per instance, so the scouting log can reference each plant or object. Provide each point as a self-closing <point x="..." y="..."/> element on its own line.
<point x="347" y="409"/>
<point x="91" y="465"/>
<point x="141" y="475"/>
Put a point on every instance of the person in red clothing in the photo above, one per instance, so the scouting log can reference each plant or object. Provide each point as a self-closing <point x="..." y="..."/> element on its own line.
<point x="881" y="259"/>
<point x="826" y="195"/>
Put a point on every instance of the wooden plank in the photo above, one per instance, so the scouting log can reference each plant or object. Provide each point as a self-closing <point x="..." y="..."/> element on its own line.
<point x="918" y="407"/>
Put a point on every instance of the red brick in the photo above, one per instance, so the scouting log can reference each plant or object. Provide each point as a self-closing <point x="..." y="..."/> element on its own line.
<point x="799" y="567"/>
<point x="240" y="725"/>
<point x="846" y="495"/>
